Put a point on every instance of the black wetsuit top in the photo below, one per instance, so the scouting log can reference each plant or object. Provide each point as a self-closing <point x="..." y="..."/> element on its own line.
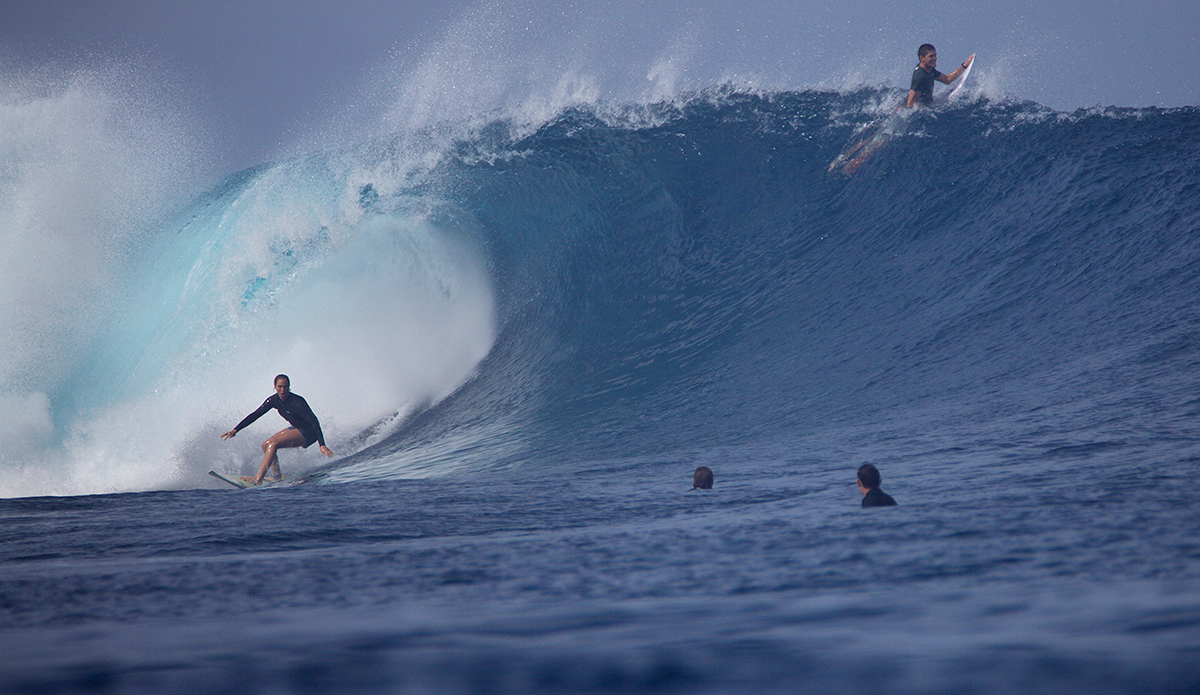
<point x="922" y="84"/>
<point x="296" y="411"/>
<point x="878" y="498"/>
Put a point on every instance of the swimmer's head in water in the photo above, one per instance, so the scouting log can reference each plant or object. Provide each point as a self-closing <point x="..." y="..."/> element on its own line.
<point x="702" y="478"/>
<point x="868" y="476"/>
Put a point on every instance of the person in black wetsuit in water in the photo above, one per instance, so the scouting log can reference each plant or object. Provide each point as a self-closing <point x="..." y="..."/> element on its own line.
<point x="921" y="91"/>
<point x="305" y="428"/>
<point x="868" y="484"/>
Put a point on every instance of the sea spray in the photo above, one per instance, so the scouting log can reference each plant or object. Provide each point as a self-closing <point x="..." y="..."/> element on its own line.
<point x="89" y="161"/>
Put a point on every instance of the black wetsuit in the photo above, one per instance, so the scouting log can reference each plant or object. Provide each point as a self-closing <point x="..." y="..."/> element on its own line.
<point x="296" y="411"/>
<point x="922" y="84"/>
<point x="878" y="498"/>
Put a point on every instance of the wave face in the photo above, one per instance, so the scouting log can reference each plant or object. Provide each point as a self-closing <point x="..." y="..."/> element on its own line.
<point x="650" y="282"/>
<point x="692" y="278"/>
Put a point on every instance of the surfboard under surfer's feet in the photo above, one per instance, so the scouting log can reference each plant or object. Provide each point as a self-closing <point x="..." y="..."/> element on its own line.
<point x="249" y="480"/>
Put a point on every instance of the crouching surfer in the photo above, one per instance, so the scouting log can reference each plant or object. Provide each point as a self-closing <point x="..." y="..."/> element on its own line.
<point x="304" y="431"/>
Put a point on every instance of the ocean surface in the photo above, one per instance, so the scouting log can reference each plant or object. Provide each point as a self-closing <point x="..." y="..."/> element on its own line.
<point x="523" y="337"/>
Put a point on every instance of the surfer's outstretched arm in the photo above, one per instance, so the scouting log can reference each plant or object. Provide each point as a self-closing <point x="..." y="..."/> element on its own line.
<point x="952" y="76"/>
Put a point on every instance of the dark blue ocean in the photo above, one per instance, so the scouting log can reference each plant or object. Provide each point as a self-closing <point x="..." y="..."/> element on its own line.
<point x="522" y="339"/>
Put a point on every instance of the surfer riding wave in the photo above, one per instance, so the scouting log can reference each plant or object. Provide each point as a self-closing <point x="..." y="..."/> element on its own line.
<point x="304" y="431"/>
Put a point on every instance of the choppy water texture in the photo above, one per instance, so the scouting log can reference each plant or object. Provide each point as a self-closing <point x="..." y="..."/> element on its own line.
<point x="998" y="309"/>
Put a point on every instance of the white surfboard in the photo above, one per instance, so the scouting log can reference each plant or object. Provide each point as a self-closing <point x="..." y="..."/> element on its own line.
<point x="962" y="79"/>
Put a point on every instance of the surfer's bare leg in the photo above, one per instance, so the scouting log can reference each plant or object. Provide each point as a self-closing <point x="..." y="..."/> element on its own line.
<point x="284" y="439"/>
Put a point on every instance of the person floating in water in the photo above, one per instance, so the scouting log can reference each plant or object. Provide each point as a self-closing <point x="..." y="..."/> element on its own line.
<point x="921" y="91"/>
<point x="702" y="479"/>
<point x="305" y="428"/>
<point x="868" y="484"/>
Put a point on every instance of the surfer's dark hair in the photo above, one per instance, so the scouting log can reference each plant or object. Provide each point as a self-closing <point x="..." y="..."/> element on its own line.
<point x="702" y="478"/>
<point x="869" y="476"/>
<point x="925" y="49"/>
<point x="281" y="376"/>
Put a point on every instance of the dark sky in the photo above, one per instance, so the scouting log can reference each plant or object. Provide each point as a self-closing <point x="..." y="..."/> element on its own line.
<point x="256" y="74"/>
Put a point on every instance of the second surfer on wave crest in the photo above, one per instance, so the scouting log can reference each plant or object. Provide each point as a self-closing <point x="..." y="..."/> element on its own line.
<point x="920" y="93"/>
